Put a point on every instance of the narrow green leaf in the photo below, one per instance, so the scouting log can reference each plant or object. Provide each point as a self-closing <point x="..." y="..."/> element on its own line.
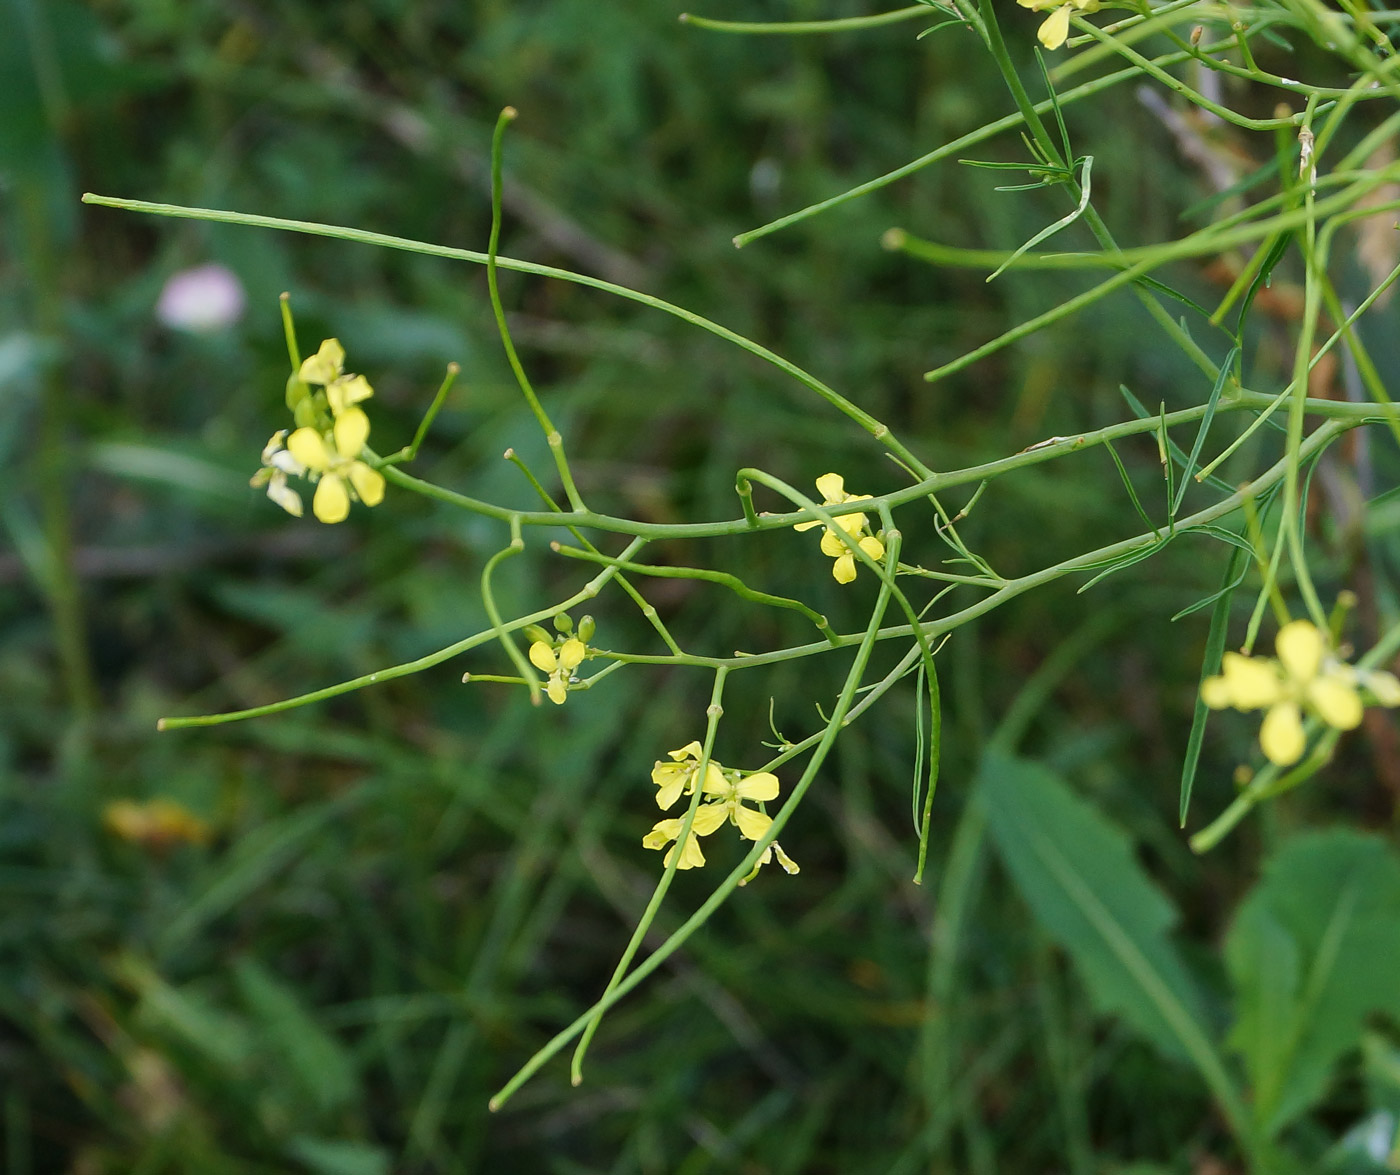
<point x="1190" y="467"/>
<point x="1215" y="649"/>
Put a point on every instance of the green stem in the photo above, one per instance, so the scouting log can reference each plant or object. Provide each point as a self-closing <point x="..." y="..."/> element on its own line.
<point x="875" y="428"/>
<point x="731" y="882"/>
<point x="713" y="713"/>
<point x="841" y="25"/>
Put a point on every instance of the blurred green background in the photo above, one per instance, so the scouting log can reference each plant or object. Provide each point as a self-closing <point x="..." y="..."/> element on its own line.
<point x="377" y="908"/>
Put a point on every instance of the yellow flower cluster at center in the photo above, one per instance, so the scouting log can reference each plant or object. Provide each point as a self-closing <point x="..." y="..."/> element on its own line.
<point x="727" y="793"/>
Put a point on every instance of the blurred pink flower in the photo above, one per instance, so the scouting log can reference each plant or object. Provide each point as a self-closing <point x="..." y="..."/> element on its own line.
<point x="205" y="298"/>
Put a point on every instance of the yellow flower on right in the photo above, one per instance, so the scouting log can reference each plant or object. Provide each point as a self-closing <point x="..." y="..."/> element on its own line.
<point x="1305" y="676"/>
<point x="1054" y="29"/>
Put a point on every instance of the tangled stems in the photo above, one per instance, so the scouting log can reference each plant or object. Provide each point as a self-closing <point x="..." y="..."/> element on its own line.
<point x="931" y="630"/>
<point x="1307" y="209"/>
<point x="620" y="986"/>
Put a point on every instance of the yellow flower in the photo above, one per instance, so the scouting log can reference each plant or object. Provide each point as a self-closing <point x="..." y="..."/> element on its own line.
<point x="725" y="799"/>
<point x="1054" y="30"/>
<point x="338" y="466"/>
<point x="665" y="832"/>
<point x="856" y="525"/>
<point x="731" y="794"/>
<point x="559" y="665"/>
<point x="1304" y="676"/>
<point x="327" y="368"/>
<point x="673" y="779"/>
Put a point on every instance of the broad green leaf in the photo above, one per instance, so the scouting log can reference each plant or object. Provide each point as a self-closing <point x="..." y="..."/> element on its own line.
<point x="318" y="1063"/>
<point x="1313" y="951"/>
<point x="1077" y="873"/>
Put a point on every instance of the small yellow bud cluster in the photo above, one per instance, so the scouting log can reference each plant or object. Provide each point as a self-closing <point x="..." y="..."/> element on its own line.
<point x="855" y="525"/>
<point x="726" y="794"/>
<point x="560" y="655"/>
<point x="1305" y="676"/>
<point x="327" y="444"/>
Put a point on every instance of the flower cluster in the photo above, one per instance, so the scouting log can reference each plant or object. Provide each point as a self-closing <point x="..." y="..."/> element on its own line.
<point x="327" y="445"/>
<point x="559" y="656"/>
<point x="727" y="793"/>
<point x="1305" y="676"/>
<point x="856" y="525"/>
<point x="1054" y="29"/>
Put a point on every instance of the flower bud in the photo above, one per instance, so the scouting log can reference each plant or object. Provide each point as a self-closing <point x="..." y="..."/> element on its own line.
<point x="537" y="636"/>
<point x="563" y="622"/>
<point x="586" y="627"/>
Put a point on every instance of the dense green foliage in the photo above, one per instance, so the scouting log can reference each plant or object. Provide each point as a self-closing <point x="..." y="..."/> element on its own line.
<point x="405" y="891"/>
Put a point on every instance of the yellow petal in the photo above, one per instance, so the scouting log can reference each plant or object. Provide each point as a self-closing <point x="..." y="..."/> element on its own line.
<point x="1336" y="701"/>
<point x="557" y="689"/>
<point x="1252" y="681"/>
<point x="832" y="487"/>
<point x="1055" y="29"/>
<point x="308" y="448"/>
<point x="669" y="792"/>
<point x="571" y="653"/>
<point x="325" y="365"/>
<point x="1300" y="647"/>
<point x="351" y="432"/>
<point x="873" y="547"/>
<point x="283" y="494"/>
<point x="1216" y="693"/>
<point x="368" y="483"/>
<point x="832" y="546"/>
<point x="788" y="864"/>
<point x="274" y="445"/>
<point x="344" y="392"/>
<point x="709" y="817"/>
<point x="752" y="823"/>
<point x="1281" y="735"/>
<point x="663" y="832"/>
<point x="691" y="750"/>
<point x="691" y="856"/>
<point x="844" y="569"/>
<point x="542" y="658"/>
<point x="760" y="786"/>
<point x="662" y="772"/>
<point x="332" y="500"/>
